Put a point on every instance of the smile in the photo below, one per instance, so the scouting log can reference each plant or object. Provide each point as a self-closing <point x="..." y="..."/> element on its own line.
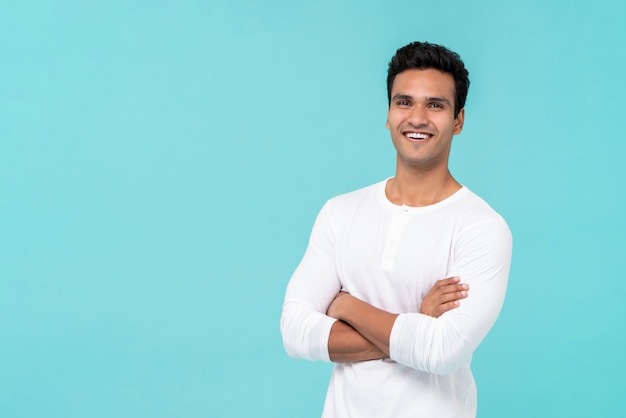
<point x="417" y="135"/>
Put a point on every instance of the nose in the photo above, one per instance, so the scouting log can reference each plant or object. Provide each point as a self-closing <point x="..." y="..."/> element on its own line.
<point x="418" y="116"/>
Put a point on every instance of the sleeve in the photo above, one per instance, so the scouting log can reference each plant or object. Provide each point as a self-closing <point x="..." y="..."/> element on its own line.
<point x="482" y="258"/>
<point x="304" y="325"/>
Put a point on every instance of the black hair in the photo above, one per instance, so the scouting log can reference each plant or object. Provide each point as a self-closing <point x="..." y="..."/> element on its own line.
<point x="423" y="56"/>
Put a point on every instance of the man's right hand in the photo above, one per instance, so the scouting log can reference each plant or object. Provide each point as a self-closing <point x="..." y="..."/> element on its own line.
<point x="443" y="296"/>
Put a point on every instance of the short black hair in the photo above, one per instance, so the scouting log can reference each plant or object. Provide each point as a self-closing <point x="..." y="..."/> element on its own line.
<point x="423" y="56"/>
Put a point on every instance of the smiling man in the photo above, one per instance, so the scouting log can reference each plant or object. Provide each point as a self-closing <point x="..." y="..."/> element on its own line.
<point x="403" y="279"/>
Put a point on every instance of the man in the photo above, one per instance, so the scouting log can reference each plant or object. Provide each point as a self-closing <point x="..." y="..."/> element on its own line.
<point x="403" y="279"/>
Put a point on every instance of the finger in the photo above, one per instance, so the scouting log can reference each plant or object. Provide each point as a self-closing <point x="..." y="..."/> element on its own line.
<point x="451" y="296"/>
<point x="443" y="308"/>
<point x="443" y="283"/>
<point x="452" y="288"/>
<point x="446" y="281"/>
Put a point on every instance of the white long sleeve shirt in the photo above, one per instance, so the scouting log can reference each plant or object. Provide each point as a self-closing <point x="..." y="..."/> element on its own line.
<point x="390" y="256"/>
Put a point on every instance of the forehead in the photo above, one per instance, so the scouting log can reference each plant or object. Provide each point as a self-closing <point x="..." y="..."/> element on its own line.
<point x="429" y="82"/>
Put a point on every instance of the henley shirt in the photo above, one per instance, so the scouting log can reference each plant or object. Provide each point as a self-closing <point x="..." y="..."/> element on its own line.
<point x="390" y="256"/>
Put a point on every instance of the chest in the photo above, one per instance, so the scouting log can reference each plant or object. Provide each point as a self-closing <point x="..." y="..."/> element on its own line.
<point x="393" y="261"/>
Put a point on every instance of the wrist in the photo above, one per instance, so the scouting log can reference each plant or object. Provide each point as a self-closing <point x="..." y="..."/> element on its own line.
<point x="344" y="308"/>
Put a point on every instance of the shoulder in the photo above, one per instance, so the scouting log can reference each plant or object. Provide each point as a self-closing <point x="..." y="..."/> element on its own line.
<point x="359" y="197"/>
<point x="341" y="209"/>
<point x="474" y="208"/>
<point x="476" y="216"/>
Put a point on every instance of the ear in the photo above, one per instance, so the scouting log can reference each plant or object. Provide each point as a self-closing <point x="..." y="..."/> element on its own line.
<point x="458" y="122"/>
<point x="387" y="123"/>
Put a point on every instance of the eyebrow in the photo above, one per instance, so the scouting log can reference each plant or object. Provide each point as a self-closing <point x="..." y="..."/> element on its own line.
<point x="401" y="97"/>
<point x="438" y="100"/>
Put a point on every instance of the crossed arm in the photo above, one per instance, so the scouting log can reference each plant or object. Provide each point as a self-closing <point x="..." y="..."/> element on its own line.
<point x="362" y="331"/>
<point x="318" y="322"/>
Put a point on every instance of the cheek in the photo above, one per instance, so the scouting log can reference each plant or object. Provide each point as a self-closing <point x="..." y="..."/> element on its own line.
<point x="393" y="121"/>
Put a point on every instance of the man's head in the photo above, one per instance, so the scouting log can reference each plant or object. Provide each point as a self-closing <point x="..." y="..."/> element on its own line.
<point x="423" y="56"/>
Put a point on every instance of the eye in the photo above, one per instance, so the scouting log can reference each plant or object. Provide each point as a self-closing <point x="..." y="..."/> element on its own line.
<point x="403" y="103"/>
<point x="436" y="105"/>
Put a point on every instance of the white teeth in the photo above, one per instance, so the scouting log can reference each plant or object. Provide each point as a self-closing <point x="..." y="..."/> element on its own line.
<point x="416" y="135"/>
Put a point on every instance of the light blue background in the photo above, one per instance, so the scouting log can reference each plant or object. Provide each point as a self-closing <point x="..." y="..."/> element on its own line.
<point x="162" y="162"/>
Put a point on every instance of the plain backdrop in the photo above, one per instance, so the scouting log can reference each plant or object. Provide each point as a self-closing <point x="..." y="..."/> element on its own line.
<point x="162" y="163"/>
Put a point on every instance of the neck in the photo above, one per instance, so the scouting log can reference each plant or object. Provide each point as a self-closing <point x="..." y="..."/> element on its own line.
<point x="416" y="188"/>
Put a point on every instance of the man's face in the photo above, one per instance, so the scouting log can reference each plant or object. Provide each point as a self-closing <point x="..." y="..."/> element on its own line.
<point x="421" y="118"/>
